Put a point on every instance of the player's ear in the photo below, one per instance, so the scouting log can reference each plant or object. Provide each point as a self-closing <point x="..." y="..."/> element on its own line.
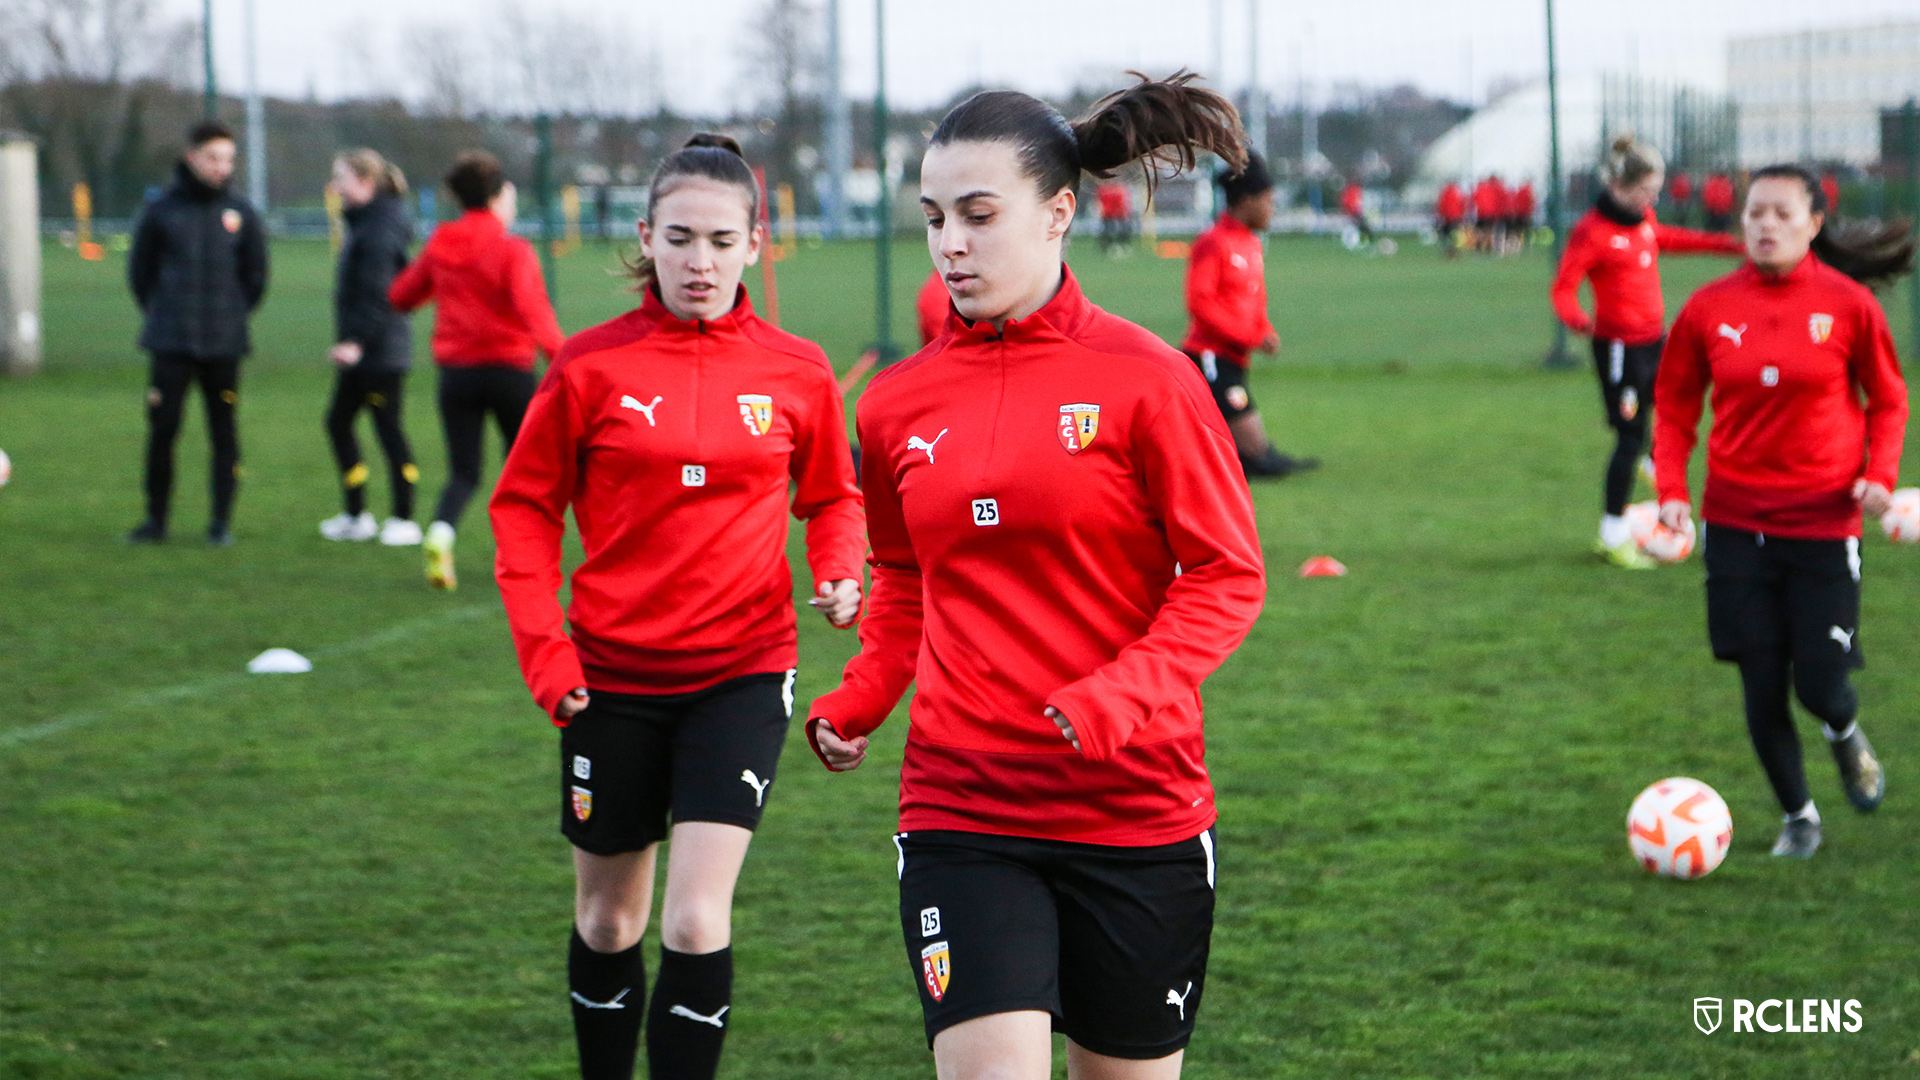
<point x="755" y="237"/>
<point x="1060" y="211"/>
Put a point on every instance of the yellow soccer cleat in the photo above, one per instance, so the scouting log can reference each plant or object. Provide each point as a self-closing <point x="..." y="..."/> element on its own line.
<point x="439" y="549"/>
<point x="1626" y="555"/>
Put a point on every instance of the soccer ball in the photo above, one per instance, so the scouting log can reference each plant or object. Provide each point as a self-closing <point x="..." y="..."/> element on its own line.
<point x="1662" y="543"/>
<point x="6" y="468"/>
<point x="1902" y="520"/>
<point x="1679" y="828"/>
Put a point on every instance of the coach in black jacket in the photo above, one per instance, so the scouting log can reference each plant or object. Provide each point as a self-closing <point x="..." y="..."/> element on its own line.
<point x="198" y="269"/>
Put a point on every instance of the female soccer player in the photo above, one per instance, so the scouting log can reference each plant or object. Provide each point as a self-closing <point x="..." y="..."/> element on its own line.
<point x="1618" y="246"/>
<point x="1063" y="548"/>
<point x="673" y="432"/>
<point x="373" y="346"/>
<point x="1792" y="344"/>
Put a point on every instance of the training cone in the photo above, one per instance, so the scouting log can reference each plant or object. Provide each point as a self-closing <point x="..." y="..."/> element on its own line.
<point x="1323" y="566"/>
<point x="279" y="662"/>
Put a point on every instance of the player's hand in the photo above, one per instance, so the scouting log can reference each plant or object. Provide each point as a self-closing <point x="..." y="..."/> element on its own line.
<point x="839" y="601"/>
<point x="842" y="755"/>
<point x="1874" y="499"/>
<point x="571" y="705"/>
<point x="1676" y="515"/>
<point x="1065" y="725"/>
<point x="346" y="353"/>
<point x="1271" y="343"/>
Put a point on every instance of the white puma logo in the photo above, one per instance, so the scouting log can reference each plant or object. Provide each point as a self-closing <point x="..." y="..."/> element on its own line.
<point x="1178" y="999"/>
<point x="915" y="442"/>
<point x="1844" y="637"/>
<point x="682" y="1010"/>
<point x="1731" y="334"/>
<point x="614" y="1004"/>
<point x="628" y="401"/>
<point x="758" y="785"/>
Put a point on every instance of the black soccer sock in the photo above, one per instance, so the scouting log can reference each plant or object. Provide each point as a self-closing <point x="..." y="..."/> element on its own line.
<point x="1770" y="725"/>
<point x="609" y="993"/>
<point x="688" y="1021"/>
<point x="1630" y="441"/>
<point x="354" y="485"/>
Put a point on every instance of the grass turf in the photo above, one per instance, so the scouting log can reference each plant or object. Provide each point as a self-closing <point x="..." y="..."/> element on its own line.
<point x="1423" y="768"/>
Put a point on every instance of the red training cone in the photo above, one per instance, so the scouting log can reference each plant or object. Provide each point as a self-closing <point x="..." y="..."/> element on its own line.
<point x="1322" y="566"/>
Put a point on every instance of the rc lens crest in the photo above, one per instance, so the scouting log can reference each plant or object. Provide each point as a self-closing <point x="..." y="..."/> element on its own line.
<point x="756" y="411"/>
<point x="1819" y="327"/>
<point x="936" y="969"/>
<point x="1078" y="426"/>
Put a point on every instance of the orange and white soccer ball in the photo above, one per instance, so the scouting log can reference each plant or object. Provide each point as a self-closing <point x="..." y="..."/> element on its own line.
<point x="1658" y="541"/>
<point x="1679" y="828"/>
<point x="1901" y="522"/>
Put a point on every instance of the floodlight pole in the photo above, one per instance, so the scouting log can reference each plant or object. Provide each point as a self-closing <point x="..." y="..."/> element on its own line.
<point x="1256" y="99"/>
<point x="256" y="119"/>
<point x="543" y="197"/>
<point x="883" y="206"/>
<point x="1557" y="357"/>
<point x="210" y="102"/>
<point x="839" y="130"/>
<point x="1910" y="130"/>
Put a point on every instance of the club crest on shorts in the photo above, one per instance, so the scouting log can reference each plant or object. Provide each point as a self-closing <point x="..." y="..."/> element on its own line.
<point x="582" y="803"/>
<point x="230" y="220"/>
<point x="756" y="411"/>
<point x="1819" y="327"/>
<point x="1237" y="397"/>
<point x="1078" y="425"/>
<point x="936" y="969"/>
<point x="1629" y="403"/>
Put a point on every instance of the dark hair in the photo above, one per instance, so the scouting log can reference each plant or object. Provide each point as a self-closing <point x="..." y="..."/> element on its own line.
<point x="1873" y="253"/>
<point x="1158" y="121"/>
<point x="475" y="179"/>
<point x="706" y="156"/>
<point x="1252" y="179"/>
<point x="207" y="131"/>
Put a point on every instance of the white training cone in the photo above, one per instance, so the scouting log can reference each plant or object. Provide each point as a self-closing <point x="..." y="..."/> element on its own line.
<point x="280" y="662"/>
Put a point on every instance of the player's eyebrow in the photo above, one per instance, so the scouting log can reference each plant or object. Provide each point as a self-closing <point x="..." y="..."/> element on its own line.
<point x="968" y="197"/>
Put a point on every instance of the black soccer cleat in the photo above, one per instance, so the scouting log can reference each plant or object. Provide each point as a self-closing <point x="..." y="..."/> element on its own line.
<point x="1860" y="773"/>
<point x="219" y="535"/>
<point x="1275" y="465"/>
<point x="1799" y="839"/>
<point x="148" y="532"/>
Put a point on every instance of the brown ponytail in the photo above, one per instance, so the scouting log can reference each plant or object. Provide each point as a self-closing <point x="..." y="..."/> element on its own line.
<point x="371" y="165"/>
<point x="1873" y="253"/>
<point x="1160" y="122"/>
<point x="1630" y="161"/>
<point x="706" y="156"/>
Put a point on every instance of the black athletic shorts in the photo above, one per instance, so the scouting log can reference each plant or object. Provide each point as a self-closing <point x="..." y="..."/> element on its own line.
<point x="1626" y="375"/>
<point x="627" y="761"/>
<point x="1227" y="380"/>
<point x="1112" y="941"/>
<point x="1772" y="596"/>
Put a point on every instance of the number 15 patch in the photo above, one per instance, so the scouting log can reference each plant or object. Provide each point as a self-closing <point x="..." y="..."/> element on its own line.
<point x="986" y="511"/>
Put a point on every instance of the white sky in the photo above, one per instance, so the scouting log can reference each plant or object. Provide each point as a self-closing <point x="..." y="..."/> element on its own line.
<point x="699" y="47"/>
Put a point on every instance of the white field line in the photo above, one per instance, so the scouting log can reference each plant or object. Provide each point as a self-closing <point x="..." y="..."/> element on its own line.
<point x="393" y="635"/>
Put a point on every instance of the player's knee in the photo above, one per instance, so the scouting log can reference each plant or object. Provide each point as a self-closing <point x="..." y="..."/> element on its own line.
<point x="1826" y="692"/>
<point x="611" y="929"/>
<point x="696" y="928"/>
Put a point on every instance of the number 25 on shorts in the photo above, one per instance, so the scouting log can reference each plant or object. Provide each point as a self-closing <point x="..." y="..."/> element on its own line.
<point x="986" y="511"/>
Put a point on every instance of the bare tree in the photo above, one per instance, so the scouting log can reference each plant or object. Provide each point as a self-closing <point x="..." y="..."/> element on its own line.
<point x="788" y="56"/>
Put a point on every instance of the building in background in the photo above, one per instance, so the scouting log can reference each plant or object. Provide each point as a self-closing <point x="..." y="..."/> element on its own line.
<point x="1816" y="95"/>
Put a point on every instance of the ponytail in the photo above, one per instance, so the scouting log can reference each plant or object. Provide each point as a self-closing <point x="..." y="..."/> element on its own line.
<point x="369" y="164"/>
<point x="706" y="156"/>
<point x="1159" y="122"/>
<point x="1630" y="161"/>
<point x="1873" y="253"/>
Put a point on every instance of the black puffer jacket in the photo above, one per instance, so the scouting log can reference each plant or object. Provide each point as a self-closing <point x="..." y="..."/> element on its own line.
<point x="198" y="269"/>
<point x="379" y="235"/>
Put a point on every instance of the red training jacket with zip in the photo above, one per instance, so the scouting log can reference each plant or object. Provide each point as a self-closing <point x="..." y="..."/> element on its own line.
<point x="674" y="443"/>
<point x="1623" y="260"/>
<point x="493" y="305"/>
<point x="1058" y="518"/>
<point x="1789" y="359"/>
<point x="1227" y="292"/>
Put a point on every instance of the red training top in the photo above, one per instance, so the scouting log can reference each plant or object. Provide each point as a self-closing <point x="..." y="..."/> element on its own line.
<point x="931" y="307"/>
<point x="674" y="443"/>
<point x="1452" y="205"/>
<point x="1351" y="200"/>
<point x="1522" y="201"/>
<point x="1058" y="518"/>
<point x="1830" y="187"/>
<point x="1620" y="251"/>
<point x="1226" y="292"/>
<point x="493" y="305"/>
<point x="1789" y="359"/>
<point x="1116" y="203"/>
<point x="1489" y="200"/>
<point x="1717" y="194"/>
<point x="1681" y="189"/>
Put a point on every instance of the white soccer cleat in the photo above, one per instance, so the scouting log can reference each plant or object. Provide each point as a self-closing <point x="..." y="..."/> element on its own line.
<point x="399" y="532"/>
<point x="349" y="528"/>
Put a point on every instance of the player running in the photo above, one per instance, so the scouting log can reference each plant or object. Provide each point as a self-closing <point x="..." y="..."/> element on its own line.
<point x="1227" y="314"/>
<point x="1063" y="549"/>
<point x="1449" y="213"/>
<point x="1617" y="246"/>
<point x="373" y="347"/>
<point x="673" y="432"/>
<point x="493" y="312"/>
<point x="1791" y="344"/>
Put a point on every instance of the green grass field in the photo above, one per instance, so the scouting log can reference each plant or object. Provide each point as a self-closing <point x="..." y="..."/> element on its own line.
<point x="1423" y="768"/>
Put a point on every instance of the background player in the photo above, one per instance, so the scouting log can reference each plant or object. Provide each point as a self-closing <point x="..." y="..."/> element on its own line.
<point x="1449" y="213"/>
<point x="1792" y="345"/>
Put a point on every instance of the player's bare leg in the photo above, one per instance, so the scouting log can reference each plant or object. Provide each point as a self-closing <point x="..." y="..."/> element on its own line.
<point x="1084" y="1064"/>
<point x="1003" y="1046"/>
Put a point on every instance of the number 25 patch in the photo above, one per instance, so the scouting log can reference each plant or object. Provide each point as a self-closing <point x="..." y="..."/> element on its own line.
<point x="986" y="511"/>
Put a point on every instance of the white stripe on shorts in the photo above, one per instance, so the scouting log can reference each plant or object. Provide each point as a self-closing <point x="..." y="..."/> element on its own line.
<point x="786" y="691"/>
<point x="1206" y="841"/>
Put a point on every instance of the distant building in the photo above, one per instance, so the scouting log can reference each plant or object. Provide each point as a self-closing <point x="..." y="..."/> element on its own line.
<point x="1816" y="95"/>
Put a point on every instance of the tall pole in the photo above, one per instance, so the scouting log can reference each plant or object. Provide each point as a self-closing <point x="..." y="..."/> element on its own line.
<point x="256" y="119"/>
<point x="883" y="207"/>
<point x="543" y="198"/>
<point x="1558" y="357"/>
<point x="1910" y="127"/>
<point x="839" y="129"/>
<point x="210" y="101"/>
<point x="1256" y="98"/>
<point x="1309" y="128"/>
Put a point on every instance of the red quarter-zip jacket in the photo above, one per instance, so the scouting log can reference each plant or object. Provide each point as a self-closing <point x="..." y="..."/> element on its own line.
<point x="493" y="306"/>
<point x="1621" y="254"/>
<point x="1058" y="518"/>
<point x="1227" y="292"/>
<point x="674" y="443"/>
<point x="1789" y="359"/>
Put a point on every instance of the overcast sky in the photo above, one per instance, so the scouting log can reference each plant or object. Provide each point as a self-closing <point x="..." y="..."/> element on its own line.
<point x="697" y="52"/>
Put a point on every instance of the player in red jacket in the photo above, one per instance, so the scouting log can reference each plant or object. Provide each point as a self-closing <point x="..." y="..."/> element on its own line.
<point x="1449" y="211"/>
<point x="1116" y="216"/>
<point x="1520" y="213"/>
<point x="1716" y="198"/>
<point x="492" y="314"/>
<point x="1063" y="549"/>
<point x="673" y="433"/>
<point x="1617" y="246"/>
<point x="1809" y="414"/>
<point x="1490" y="215"/>
<point x="1680" y="197"/>
<point x="930" y="308"/>
<point x="1353" y="203"/>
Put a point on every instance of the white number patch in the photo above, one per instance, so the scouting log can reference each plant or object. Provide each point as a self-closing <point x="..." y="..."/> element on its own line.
<point x="986" y="512"/>
<point x="930" y="922"/>
<point x="693" y="476"/>
<point x="582" y="768"/>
